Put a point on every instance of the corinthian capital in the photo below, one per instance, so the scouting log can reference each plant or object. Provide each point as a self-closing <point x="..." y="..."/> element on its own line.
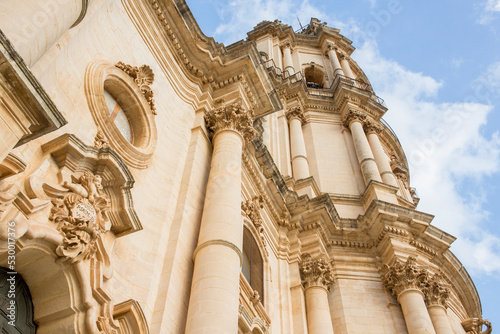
<point x="436" y="292"/>
<point x="402" y="276"/>
<point x="295" y="112"/>
<point x="371" y="127"/>
<point x="330" y="46"/>
<point x="233" y="117"/>
<point x="316" y="272"/>
<point x="354" y="115"/>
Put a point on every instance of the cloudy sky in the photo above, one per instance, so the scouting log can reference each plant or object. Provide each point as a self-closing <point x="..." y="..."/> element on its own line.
<point x="437" y="65"/>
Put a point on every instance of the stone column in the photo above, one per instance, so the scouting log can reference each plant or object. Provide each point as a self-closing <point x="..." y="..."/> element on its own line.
<point x="300" y="165"/>
<point x="317" y="279"/>
<point x="354" y="120"/>
<point x="286" y="48"/>
<point x="382" y="160"/>
<point x="346" y="67"/>
<point x="213" y="305"/>
<point x="33" y="26"/>
<point x="436" y="297"/>
<point x="331" y="49"/>
<point x="406" y="282"/>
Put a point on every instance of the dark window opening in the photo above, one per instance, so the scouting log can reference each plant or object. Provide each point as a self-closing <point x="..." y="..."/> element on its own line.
<point x="253" y="265"/>
<point x="314" y="77"/>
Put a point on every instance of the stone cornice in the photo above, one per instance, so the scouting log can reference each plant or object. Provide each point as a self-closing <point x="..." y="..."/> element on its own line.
<point x="316" y="272"/>
<point x="231" y="117"/>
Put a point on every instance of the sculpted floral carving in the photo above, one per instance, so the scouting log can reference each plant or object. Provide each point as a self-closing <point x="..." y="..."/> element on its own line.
<point x="295" y="112"/>
<point x="100" y="140"/>
<point x="403" y="276"/>
<point x="436" y="292"/>
<point x="81" y="215"/>
<point x="475" y="326"/>
<point x="143" y="77"/>
<point x="316" y="272"/>
<point x="354" y="115"/>
<point x="251" y="209"/>
<point x="371" y="126"/>
<point x="231" y="116"/>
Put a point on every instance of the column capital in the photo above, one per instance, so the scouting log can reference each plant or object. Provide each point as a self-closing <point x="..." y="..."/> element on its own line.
<point x="352" y="116"/>
<point x="316" y="272"/>
<point x="286" y="44"/>
<point x="371" y="126"/>
<point x="295" y="112"/>
<point x="331" y="47"/>
<point x="231" y="117"/>
<point x="436" y="291"/>
<point x="402" y="276"/>
<point x="344" y="56"/>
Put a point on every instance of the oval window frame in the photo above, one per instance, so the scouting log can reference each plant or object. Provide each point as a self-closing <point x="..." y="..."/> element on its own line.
<point x="100" y="76"/>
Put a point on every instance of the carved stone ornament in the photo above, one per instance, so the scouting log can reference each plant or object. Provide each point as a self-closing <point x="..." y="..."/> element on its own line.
<point x="295" y="112"/>
<point x="436" y="292"/>
<point x="475" y="326"/>
<point x="313" y="27"/>
<point x="403" y="276"/>
<point x="81" y="216"/>
<point x="100" y="140"/>
<point x="354" y="115"/>
<point x="105" y="327"/>
<point x="143" y="77"/>
<point x="231" y="116"/>
<point x="400" y="171"/>
<point x="316" y="272"/>
<point x="251" y="210"/>
<point x="370" y="126"/>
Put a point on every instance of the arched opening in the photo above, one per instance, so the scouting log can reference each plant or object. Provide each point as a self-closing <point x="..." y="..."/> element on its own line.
<point x="16" y="306"/>
<point x="253" y="264"/>
<point x="315" y="76"/>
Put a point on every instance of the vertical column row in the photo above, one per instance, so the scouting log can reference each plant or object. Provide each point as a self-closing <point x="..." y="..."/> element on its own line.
<point x="300" y="164"/>
<point x="214" y="300"/>
<point x="317" y="279"/>
<point x="422" y="297"/>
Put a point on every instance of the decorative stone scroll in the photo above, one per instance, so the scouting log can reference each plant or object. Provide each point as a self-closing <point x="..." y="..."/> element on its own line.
<point x="231" y="116"/>
<point x="354" y="115"/>
<point x="316" y="272"/>
<point x="143" y="77"/>
<point x="82" y="216"/>
<point x="295" y="112"/>
<point x="251" y="209"/>
<point x="403" y="276"/>
<point x="475" y="326"/>
<point x="436" y="292"/>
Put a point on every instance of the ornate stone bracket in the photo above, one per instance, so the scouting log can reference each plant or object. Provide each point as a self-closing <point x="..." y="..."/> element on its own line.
<point x="143" y="77"/>
<point x="233" y="117"/>
<point x="403" y="276"/>
<point x="316" y="272"/>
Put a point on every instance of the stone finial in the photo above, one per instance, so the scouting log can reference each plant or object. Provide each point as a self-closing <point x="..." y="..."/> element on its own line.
<point x="82" y="216"/>
<point x="316" y="272"/>
<point x="231" y="116"/>
<point x="436" y="292"/>
<point x="295" y="112"/>
<point x="371" y="127"/>
<point x="354" y="115"/>
<point x="475" y="326"/>
<point x="143" y="76"/>
<point x="402" y="276"/>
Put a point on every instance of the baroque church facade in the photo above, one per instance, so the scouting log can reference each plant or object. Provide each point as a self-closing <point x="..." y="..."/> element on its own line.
<point x="153" y="180"/>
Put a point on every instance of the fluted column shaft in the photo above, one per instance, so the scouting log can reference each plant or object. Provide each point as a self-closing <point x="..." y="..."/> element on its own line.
<point x="334" y="60"/>
<point x="366" y="160"/>
<point x="381" y="158"/>
<point x="300" y="164"/>
<point x="33" y="26"/>
<point x="213" y="305"/>
<point x="415" y="312"/>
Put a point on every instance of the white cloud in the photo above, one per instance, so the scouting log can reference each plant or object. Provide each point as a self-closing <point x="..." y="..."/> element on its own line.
<point x="493" y="6"/>
<point x="445" y="147"/>
<point x="240" y="16"/>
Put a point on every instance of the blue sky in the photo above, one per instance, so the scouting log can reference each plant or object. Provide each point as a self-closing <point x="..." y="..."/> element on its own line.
<point x="437" y="66"/>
